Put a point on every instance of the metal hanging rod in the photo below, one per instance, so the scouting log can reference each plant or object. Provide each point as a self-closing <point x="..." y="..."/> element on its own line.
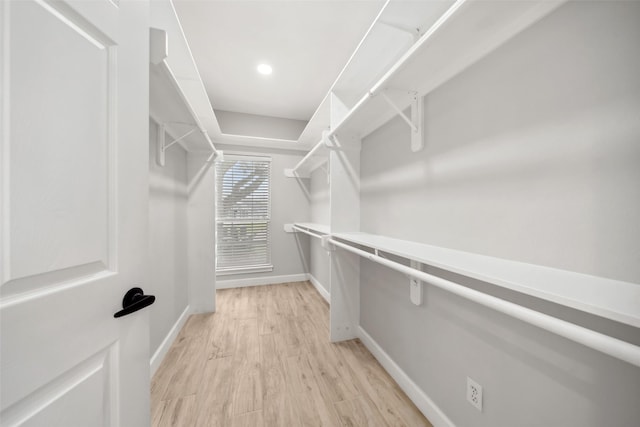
<point x="323" y="142"/>
<point x="310" y="233"/>
<point x="603" y="343"/>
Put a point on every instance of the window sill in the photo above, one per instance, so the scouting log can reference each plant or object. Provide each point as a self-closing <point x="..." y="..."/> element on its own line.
<point x="245" y="270"/>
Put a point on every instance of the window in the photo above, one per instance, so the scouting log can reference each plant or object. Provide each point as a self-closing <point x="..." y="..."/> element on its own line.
<point x="243" y="187"/>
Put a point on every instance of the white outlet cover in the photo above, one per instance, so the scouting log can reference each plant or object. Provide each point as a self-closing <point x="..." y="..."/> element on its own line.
<point x="474" y="394"/>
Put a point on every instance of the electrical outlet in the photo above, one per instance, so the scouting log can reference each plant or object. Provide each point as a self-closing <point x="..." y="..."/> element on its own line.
<point x="474" y="394"/>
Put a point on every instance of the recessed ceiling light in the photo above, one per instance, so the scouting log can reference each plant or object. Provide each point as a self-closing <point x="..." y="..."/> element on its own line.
<point x="265" y="69"/>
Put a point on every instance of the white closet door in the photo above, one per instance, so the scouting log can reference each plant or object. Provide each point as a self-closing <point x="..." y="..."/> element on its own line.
<point x="74" y="118"/>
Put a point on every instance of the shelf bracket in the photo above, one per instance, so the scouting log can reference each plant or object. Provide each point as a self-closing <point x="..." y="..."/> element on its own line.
<point x="415" y="286"/>
<point x="414" y="32"/>
<point x="324" y="243"/>
<point x="416" y="122"/>
<point x="346" y="142"/>
<point x="162" y="146"/>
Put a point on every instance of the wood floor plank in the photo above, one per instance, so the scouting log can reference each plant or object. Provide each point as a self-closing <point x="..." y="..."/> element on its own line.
<point x="196" y="325"/>
<point x="334" y="377"/>
<point x="299" y="375"/>
<point x="247" y="340"/>
<point x="247" y="307"/>
<point x="249" y="419"/>
<point x="289" y="340"/>
<point x="175" y="413"/>
<point x="273" y="376"/>
<point x="247" y="387"/>
<point x="377" y="384"/>
<point x="264" y="359"/>
<point x="313" y="409"/>
<point x="267" y="318"/>
<point x="358" y="412"/>
<point x="214" y="396"/>
<point x="166" y="370"/>
<point x="188" y="373"/>
<point x="279" y="410"/>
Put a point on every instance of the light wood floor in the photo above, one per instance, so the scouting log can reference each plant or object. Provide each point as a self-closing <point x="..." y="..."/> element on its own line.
<point x="264" y="359"/>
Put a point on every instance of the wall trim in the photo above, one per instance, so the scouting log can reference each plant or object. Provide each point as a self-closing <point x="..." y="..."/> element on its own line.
<point x="415" y="393"/>
<point x="322" y="290"/>
<point x="260" y="281"/>
<point x="162" y="350"/>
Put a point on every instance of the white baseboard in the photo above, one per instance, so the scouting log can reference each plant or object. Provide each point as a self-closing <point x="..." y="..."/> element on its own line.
<point x="157" y="357"/>
<point x="259" y="281"/>
<point x="320" y="288"/>
<point x="415" y="393"/>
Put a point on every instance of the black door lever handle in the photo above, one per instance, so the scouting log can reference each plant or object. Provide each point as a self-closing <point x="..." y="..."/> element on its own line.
<point x="134" y="300"/>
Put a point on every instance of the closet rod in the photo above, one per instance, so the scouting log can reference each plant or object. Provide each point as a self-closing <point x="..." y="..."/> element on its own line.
<point x="310" y="233"/>
<point x="603" y="343"/>
<point x="308" y="156"/>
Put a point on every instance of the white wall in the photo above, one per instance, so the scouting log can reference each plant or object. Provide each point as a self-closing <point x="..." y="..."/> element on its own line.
<point x="289" y="203"/>
<point x="319" y="262"/>
<point x="201" y="232"/>
<point x="168" y="269"/>
<point x="533" y="155"/>
<point x="261" y="126"/>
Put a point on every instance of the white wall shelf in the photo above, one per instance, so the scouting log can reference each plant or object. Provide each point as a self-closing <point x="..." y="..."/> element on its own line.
<point x="611" y="299"/>
<point x="319" y="122"/>
<point x="606" y="344"/>
<point x="425" y="45"/>
<point x="169" y="106"/>
<point x="464" y="34"/>
<point x="394" y="30"/>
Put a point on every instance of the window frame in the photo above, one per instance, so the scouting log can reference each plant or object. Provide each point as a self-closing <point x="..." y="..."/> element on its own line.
<point x="249" y="268"/>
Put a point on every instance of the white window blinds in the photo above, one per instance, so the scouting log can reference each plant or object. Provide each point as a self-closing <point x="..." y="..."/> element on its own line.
<point x="243" y="214"/>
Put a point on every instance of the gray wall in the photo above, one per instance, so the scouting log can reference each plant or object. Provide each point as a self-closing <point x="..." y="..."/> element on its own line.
<point x="168" y="270"/>
<point x="201" y="232"/>
<point x="320" y="214"/>
<point x="532" y="154"/>
<point x="289" y="203"/>
<point x="261" y="126"/>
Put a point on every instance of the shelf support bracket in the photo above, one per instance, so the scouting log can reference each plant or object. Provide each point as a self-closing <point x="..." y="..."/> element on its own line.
<point x="162" y="146"/>
<point x="414" y="32"/>
<point x="416" y="122"/>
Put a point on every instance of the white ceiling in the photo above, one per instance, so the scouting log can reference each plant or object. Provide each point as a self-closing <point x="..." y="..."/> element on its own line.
<point x="306" y="42"/>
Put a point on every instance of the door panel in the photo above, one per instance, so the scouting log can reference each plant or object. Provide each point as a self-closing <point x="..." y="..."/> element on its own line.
<point x="73" y="197"/>
<point x="89" y="385"/>
<point x="64" y="227"/>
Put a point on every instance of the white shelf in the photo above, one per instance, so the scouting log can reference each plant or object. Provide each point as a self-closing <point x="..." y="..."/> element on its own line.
<point x="404" y="64"/>
<point x="466" y="33"/>
<point x="392" y="33"/>
<point x="398" y="26"/>
<point x="168" y="104"/>
<point x="318" y="123"/>
<point x="611" y="299"/>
